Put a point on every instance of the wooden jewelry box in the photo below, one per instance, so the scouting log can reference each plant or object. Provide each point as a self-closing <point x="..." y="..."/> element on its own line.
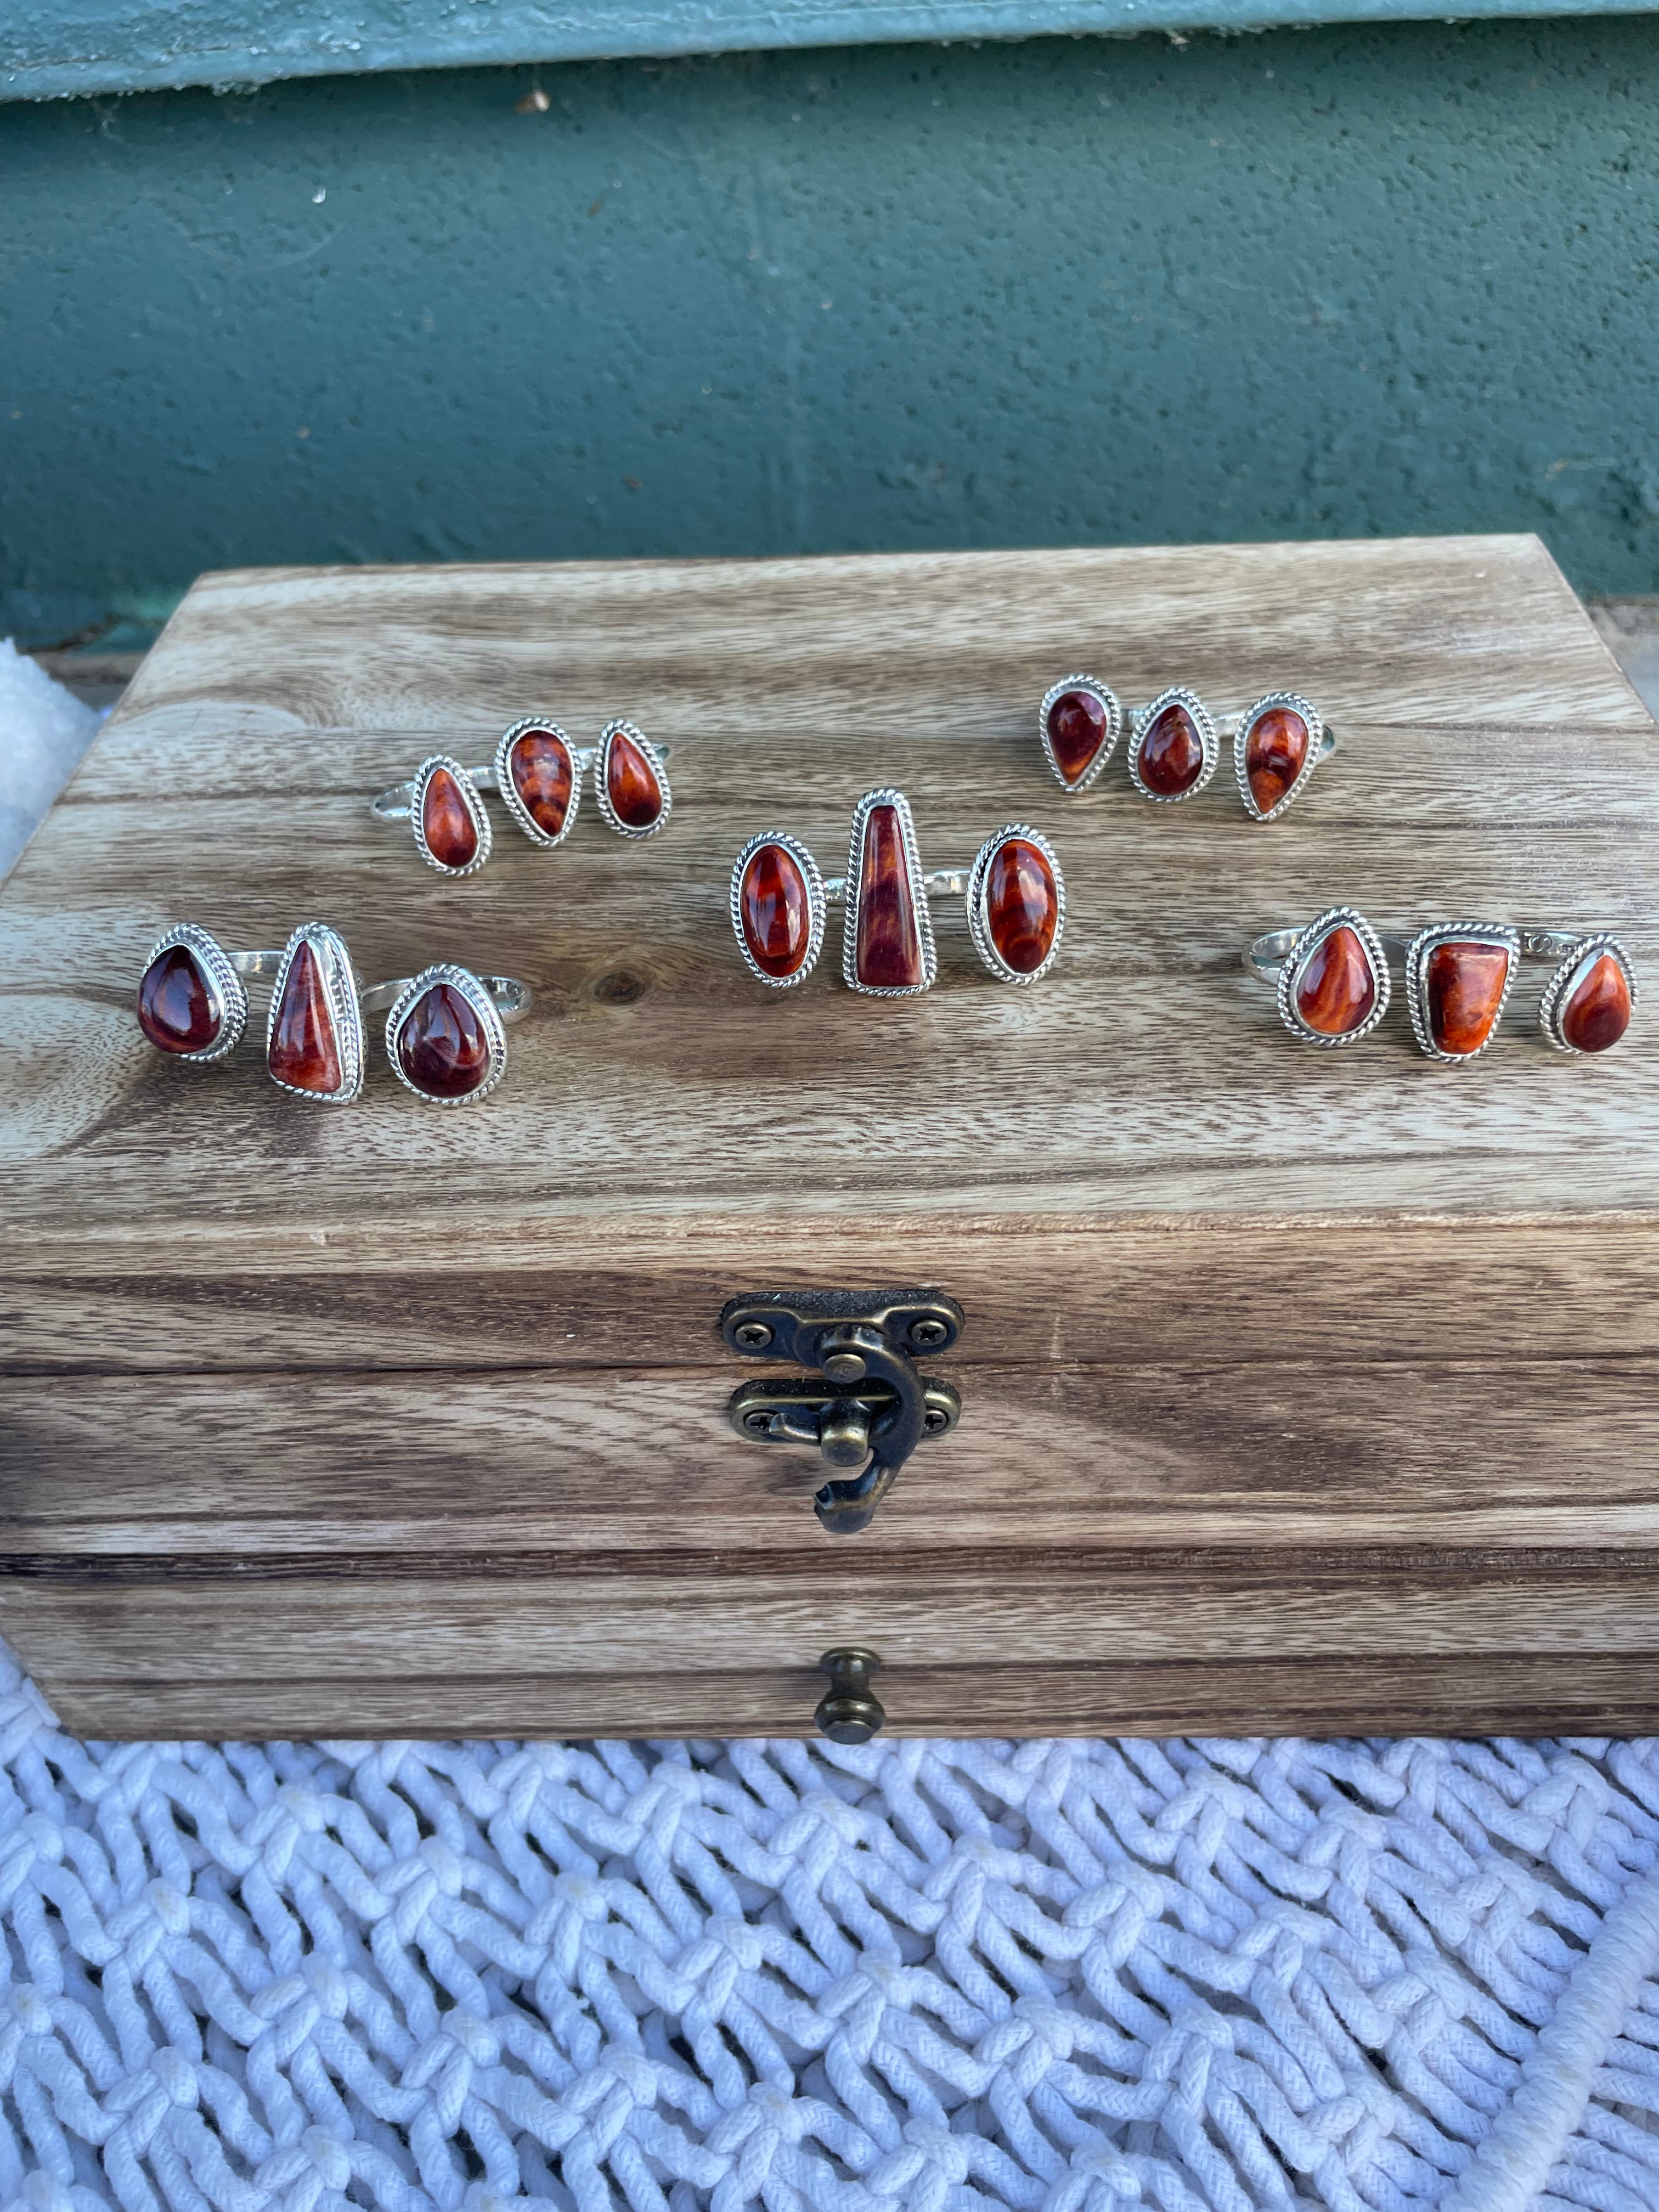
<point x="1300" y="1390"/>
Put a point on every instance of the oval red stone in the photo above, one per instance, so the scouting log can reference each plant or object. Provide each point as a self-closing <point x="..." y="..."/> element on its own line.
<point x="775" y="911"/>
<point x="1274" y="753"/>
<point x="304" y="1051"/>
<point x="1022" y="904"/>
<point x="634" y="791"/>
<point x="1463" y="986"/>
<point x="1077" y="724"/>
<point x="544" y="777"/>
<point x="445" y="823"/>
<point x="179" y="1010"/>
<point x="1336" y="990"/>
<point x="442" y="1045"/>
<point x="1171" y="758"/>
<point x="887" y="945"/>
<point x="1596" y="1012"/>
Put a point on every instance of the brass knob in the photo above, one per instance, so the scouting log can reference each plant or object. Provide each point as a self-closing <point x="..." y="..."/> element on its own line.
<point x="849" y="1712"/>
<point x="844" y="1433"/>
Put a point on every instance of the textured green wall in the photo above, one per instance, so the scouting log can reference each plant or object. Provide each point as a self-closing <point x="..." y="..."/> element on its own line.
<point x="1296" y="285"/>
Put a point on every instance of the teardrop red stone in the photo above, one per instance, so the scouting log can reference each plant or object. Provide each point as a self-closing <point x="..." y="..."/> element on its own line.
<point x="1022" y="904"/>
<point x="887" y="954"/>
<point x="1463" y="986"/>
<point x="774" y="909"/>
<point x="1078" y="723"/>
<point x="634" y="791"/>
<point x="1598" y="1006"/>
<point x="1274" y="753"/>
<point x="445" y="821"/>
<point x="443" y="1047"/>
<point x="304" y="1050"/>
<point x="1336" y="990"/>
<point x="177" y="1009"/>
<point x="1171" y="757"/>
<point x="540" y="765"/>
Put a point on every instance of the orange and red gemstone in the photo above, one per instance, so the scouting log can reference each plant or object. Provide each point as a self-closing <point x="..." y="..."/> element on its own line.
<point x="1077" y="726"/>
<point x="304" y="1050"/>
<point x="887" y="943"/>
<point x="1022" y="904"/>
<point x="446" y="823"/>
<point x="1171" y="756"/>
<point x="442" y="1045"/>
<point x="1275" y="753"/>
<point x="1337" y="988"/>
<point x="775" y="907"/>
<point x="179" y="1011"/>
<point x="1463" y="986"/>
<point x="1595" y="1012"/>
<point x="544" y="776"/>
<point x="632" y="784"/>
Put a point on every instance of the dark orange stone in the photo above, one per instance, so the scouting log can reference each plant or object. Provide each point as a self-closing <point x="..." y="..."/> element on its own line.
<point x="1022" y="904"/>
<point x="775" y="911"/>
<point x="304" y="1050"/>
<point x="1077" y="724"/>
<point x="1171" y="758"/>
<point x="1274" y="753"/>
<point x="540" y="765"/>
<point x="888" y="943"/>
<point x="1337" y="989"/>
<point x="630" y="780"/>
<point x="1463" y="986"/>
<point x="445" y="823"/>
<point x="1597" y="1010"/>
<point x="443" y="1047"/>
<point x="177" y="1011"/>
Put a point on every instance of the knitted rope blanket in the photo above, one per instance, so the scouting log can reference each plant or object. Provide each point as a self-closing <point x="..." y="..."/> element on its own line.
<point x="1079" y="1976"/>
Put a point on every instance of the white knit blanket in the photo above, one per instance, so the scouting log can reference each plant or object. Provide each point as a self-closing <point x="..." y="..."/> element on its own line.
<point x="1081" y="1976"/>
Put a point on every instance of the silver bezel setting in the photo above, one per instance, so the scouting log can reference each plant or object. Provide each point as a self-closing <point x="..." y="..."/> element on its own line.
<point x="979" y="878"/>
<point x="471" y="799"/>
<point x="887" y="796"/>
<point x="816" y="905"/>
<point x="602" y="779"/>
<point x="1559" y="990"/>
<point x="340" y="988"/>
<point x="476" y="994"/>
<point x="1302" y="952"/>
<point x="1416" y="960"/>
<point x="504" y="783"/>
<point x="1247" y="721"/>
<point x="1107" y="699"/>
<point x="222" y="981"/>
<point x="1177" y="696"/>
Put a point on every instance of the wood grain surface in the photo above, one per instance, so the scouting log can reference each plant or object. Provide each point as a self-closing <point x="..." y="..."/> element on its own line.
<point x="1382" y="1333"/>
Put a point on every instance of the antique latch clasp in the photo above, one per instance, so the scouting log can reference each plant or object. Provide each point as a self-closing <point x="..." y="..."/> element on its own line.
<point x="867" y="1407"/>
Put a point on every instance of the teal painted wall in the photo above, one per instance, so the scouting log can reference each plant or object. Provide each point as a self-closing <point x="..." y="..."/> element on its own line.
<point x="1291" y="285"/>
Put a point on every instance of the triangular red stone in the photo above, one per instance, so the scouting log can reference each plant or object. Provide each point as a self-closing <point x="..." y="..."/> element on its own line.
<point x="304" y="1050"/>
<point x="887" y="942"/>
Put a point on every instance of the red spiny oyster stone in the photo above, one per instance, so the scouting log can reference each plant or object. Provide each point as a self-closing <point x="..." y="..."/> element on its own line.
<point x="544" y="777"/>
<point x="888" y="943"/>
<point x="442" y="1045"/>
<point x="1274" y="754"/>
<point x="775" y="910"/>
<point x="1171" y="757"/>
<point x="1596" y="1010"/>
<point x="1463" y="989"/>
<point x="179" y="1010"/>
<point x="1022" y="904"/>
<point x="1077" y="724"/>
<point x="445" y="823"/>
<point x="1337" y="989"/>
<point x="304" y="1050"/>
<point x="632" y="783"/>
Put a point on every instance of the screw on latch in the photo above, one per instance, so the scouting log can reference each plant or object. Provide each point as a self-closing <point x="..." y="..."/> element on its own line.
<point x="752" y="1335"/>
<point x="849" y="1711"/>
<point x="927" y="1335"/>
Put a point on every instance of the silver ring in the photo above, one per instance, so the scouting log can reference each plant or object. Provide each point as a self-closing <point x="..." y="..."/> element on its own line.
<point x="1175" y="743"/>
<point x="192" y="1005"/>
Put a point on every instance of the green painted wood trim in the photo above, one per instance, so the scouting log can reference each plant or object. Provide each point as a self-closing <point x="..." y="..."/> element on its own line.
<point x="67" y="48"/>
